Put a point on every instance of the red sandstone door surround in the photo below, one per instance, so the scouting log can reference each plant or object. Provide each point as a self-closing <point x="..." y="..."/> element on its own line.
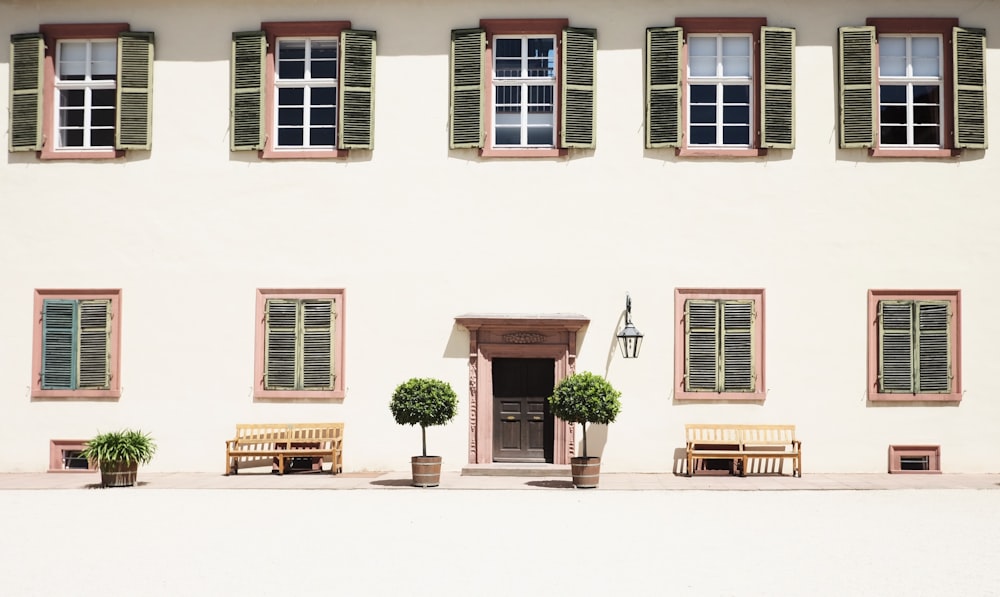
<point x="541" y="336"/>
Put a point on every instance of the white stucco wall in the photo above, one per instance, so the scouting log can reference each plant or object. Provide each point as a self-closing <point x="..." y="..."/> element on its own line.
<point x="418" y="234"/>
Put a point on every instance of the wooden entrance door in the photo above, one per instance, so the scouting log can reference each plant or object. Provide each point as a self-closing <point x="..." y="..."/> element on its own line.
<point x="523" y="429"/>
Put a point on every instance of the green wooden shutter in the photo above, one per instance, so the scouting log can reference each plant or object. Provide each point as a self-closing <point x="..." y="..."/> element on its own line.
<point x="663" y="86"/>
<point x="468" y="47"/>
<point x="895" y="352"/>
<point x="738" y="373"/>
<point x="27" y="53"/>
<point x="357" y="90"/>
<point x="280" y="327"/>
<point x="777" y="98"/>
<point x="933" y="373"/>
<point x="59" y="328"/>
<point x="857" y="86"/>
<point x="970" y="87"/>
<point x="578" y="73"/>
<point x="94" y="360"/>
<point x="317" y="344"/>
<point x="133" y="119"/>
<point x="701" y="354"/>
<point x="246" y="108"/>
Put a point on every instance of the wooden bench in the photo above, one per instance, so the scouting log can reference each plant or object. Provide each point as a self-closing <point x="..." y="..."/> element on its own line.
<point x="744" y="445"/>
<point x="284" y="441"/>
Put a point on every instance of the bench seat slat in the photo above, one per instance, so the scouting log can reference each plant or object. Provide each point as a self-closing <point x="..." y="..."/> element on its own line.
<point x="254" y="441"/>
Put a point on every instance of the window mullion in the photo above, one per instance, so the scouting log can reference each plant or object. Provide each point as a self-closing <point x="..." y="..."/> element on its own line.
<point x="720" y="358"/>
<point x="299" y="342"/>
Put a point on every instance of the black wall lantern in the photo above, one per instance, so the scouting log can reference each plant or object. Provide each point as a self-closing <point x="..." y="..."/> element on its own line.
<point x="630" y="339"/>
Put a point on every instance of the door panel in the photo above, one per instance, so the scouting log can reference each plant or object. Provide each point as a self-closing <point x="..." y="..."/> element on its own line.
<point x="523" y="428"/>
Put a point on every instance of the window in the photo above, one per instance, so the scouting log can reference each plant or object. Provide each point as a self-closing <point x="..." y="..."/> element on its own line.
<point x="300" y="339"/>
<point x="303" y="90"/>
<point x="913" y="346"/>
<point x="81" y="91"/>
<point x="712" y="84"/>
<point x="64" y="455"/>
<point x="77" y="341"/>
<point x="522" y="87"/>
<point x="899" y="80"/>
<point x="719" y="344"/>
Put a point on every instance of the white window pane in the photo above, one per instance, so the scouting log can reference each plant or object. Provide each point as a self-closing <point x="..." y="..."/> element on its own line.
<point x="103" y="57"/>
<point x="507" y="118"/>
<point x="925" y="47"/>
<point x="538" y="118"/>
<point x="892" y="66"/>
<point x="702" y="66"/>
<point x="736" y="46"/>
<point x="73" y="51"/>
<point x="701" y="46"/>
<point x="926" y="67"/>
<point x="892" y="46"/>
<point x="733" y="66"/>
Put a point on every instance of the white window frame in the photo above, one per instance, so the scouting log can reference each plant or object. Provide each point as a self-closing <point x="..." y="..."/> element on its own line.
<point x="87" y="85"/>
<point x="720" y="81"/>
<point x="307" y="84"/>
<point x="909" y="80"/>
<point x="524" y="82"/>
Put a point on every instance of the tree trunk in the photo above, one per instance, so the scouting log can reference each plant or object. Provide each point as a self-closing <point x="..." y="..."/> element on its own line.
<point x="423" y="437"/>
<point x="584" y="425"/>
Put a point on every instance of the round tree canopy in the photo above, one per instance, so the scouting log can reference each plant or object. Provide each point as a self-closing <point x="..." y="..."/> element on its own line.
<point x="585" y="398"/>
<point x="424" y="402"/>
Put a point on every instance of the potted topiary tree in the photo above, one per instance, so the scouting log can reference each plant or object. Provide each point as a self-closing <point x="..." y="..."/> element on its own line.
<point x="424" y="402"/>
<point x="585" y="398"/>
<point x="119" y="454"/>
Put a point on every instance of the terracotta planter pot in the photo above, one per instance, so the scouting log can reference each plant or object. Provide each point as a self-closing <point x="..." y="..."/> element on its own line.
<point x="586" y="471"/>
<point x="117" y="474"/>
<point x="426" y="470"/>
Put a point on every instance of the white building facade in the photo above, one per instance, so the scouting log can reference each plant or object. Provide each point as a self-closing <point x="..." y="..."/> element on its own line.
<point x="234" y="212"/>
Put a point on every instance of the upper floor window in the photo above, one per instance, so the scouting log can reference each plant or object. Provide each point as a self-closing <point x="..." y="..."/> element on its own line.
<point x="912" y="87"/>
<point x="306" y="90"/>
<point x="720" y="86"/>
<point x="303" y="89"/>
<point x="522" y="87"/>
<point x="81" y="91"/>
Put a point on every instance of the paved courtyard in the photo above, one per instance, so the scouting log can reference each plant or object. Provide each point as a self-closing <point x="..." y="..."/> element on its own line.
<point x="180" y="534"/>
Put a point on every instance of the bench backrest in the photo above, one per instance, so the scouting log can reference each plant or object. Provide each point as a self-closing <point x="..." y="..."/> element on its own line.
<point x="768" y="435"/>
<point x="741" y="435"/>
<point x="269" y="433"/>
<point x="698" y="433"/>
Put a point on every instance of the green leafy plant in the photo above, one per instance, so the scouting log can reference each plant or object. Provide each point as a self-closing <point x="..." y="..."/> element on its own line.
<point x="128" y="446"/>
<point x="425" y="402"/>
<point x="585" y="398"/>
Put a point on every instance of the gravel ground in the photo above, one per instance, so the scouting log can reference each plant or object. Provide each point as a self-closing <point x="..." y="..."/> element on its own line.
<point x="431" y="542"/>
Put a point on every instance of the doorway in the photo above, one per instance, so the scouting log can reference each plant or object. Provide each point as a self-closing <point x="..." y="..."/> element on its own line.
<point x="523" y="428"/>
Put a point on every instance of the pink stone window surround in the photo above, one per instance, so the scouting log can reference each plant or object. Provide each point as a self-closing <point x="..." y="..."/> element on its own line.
<point x="273" y="31"/>
<point x="747" y="25"/>
<point x="494" y="27"/>
<point x="930" y="454"/>
<point x="114" y="343"/>
<point x="57" y="450"/>
<point x="916" y="26"/>
<point x="53" y="34"/>
<point x="337" y="393"/>
<point x="955" y="332"/>
<point x="681" y="295"/>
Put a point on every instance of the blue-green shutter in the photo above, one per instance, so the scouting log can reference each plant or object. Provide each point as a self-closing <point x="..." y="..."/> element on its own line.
<point x="59" y="341"/>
